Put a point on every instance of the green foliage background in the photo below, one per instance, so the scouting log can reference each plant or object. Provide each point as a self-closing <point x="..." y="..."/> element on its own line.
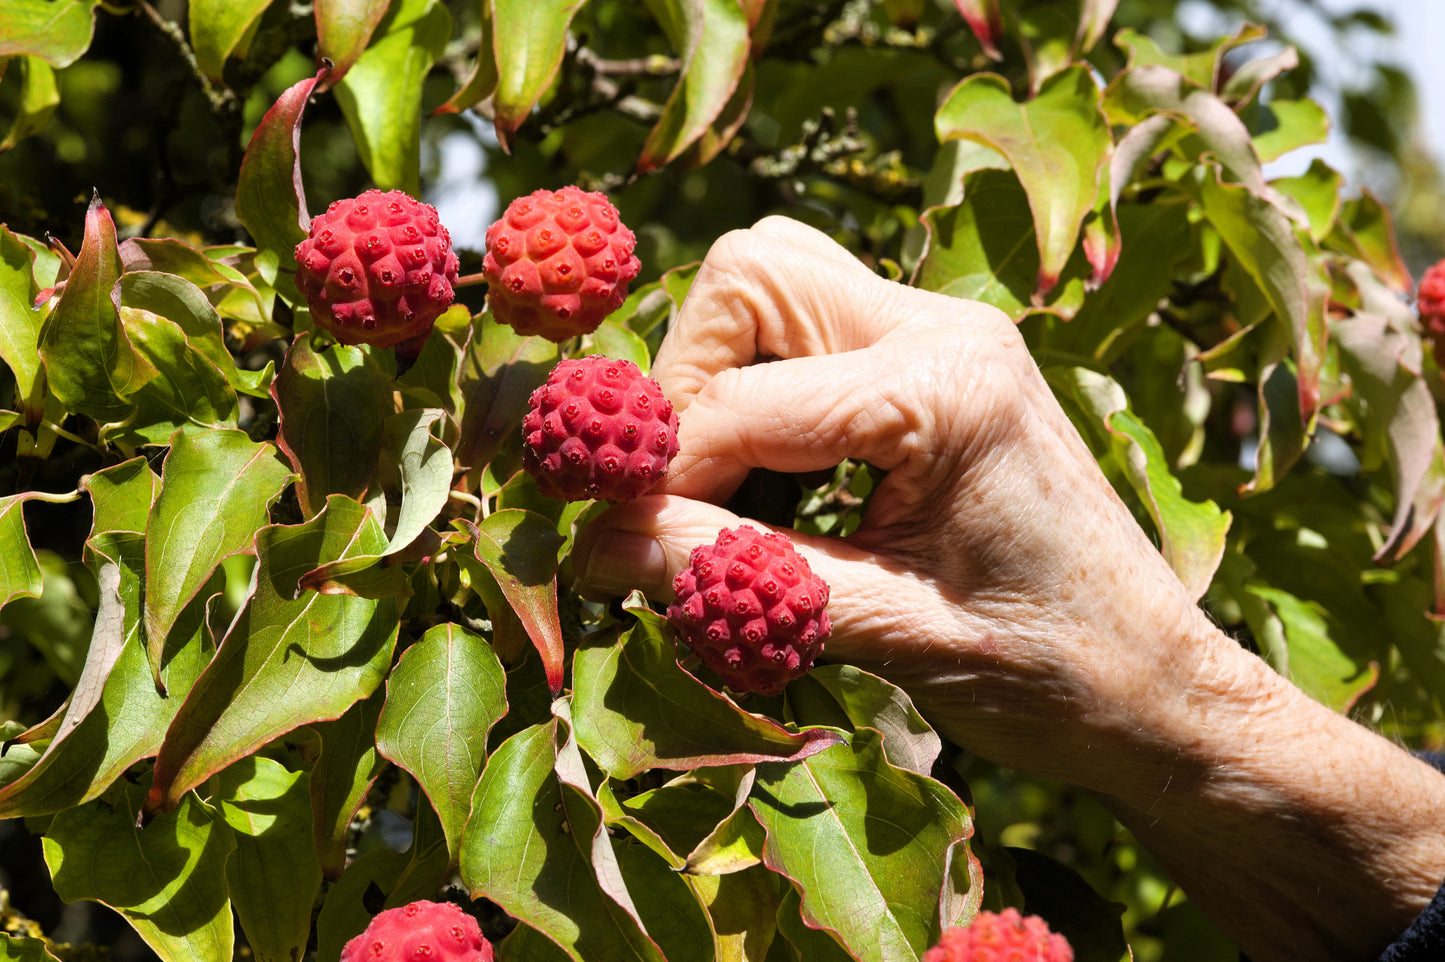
<point x="302" y="617"/>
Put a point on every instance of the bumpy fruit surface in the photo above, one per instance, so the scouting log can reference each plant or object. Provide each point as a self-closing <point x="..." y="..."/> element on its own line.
<point x="377" y="269"/>
<point x="599" y="428"/>
<point x="558" y="262"/>
<point x="1004" y="936"/>
<point x="1430" y="302"/>
<point x="420" y="932"/>
<point x="751" y="608"/>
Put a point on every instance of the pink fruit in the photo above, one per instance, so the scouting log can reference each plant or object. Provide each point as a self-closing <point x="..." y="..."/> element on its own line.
<point x="377" y="269"/>
<point x="598" y="428"/>
<point x="1004" y="936"/>
<point x="420" y="932"/>
<point x="751" y="608"/>
<point x="558" y="262"/>
<point x="1430" y="302"/>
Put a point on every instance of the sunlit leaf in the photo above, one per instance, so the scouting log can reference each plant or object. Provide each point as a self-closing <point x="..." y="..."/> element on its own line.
<point x="521" y="851"/>
<point x="286" y="661"/>
<point x="1058" y="144"/>
<point x="273" y="875"/>
<point x="215" y="489"/>
<point x="1316" y="663"/>
<point x="520" y="550"/>
<point x="867" y="701"/>
<point x="333" y="406"/>
<point x="528" y="41"/>
<point x="218" y="28"/>
<point x="381" y="94"/>
<point x="57" y="31"/>
<point x="20" y="575"/>
<point x="270" y="201"/>
<point x="343" y="29"/>
<point x="16" y="948"/>
<point x="711" y="38"/>
<point x="878" y="854"/>
<point x="638" y="709"/>
<point x="20" y="325"/>
<point x="482" y="79"/>
<point x="39" y="96"/>
<point x="443" y="697"/>
<point x="167" y="879"/>
<point x="1318" y="192"/>
<point x="89" y="362"/>
<point x="341" y="777"/>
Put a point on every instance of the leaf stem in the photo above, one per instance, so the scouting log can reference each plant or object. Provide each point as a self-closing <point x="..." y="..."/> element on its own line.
<point x="49" y="498"/>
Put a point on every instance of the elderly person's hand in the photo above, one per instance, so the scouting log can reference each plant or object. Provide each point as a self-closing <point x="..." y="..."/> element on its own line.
<point x="999" y="580"/>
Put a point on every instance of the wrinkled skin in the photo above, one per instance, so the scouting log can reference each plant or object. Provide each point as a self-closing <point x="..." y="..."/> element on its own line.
<point x="999" y="580"/>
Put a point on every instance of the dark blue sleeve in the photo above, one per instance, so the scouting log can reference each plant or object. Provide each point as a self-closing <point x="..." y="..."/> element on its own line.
<point x="1424" y="940"/>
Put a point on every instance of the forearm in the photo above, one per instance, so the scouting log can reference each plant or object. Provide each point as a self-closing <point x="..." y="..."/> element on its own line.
<point x="1301" y="833"/>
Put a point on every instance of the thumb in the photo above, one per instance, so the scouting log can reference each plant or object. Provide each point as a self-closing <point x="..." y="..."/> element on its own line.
<point x="642" y="544"/>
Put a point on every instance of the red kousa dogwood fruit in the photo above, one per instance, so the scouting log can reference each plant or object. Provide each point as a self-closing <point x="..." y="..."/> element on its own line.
<point x="378" y="269"/>
<point x="751" y="608"/>
<point x="599" y="428"/>
<point x="1430" y="302"/>
<point x="420" y="932"/>
<point x="558" y="262"/>
<point x="1005" y="936"/>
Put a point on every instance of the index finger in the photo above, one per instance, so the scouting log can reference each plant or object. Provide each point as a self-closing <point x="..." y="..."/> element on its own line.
<point x="780" y="289"/>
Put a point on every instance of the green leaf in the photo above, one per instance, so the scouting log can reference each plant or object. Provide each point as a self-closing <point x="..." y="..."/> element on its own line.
<point x="270" y="201"/>
<point x="381" y="94"/>
<point x="1191" y="534"/>
<point x="215" y="491"/>
<point x="15" y="948"/>
<point x="20" y="575"/>
<point x="669" y="909"/>
<point x="286" y="661"/>
<point x="20" y="324"/>
<point x="1380" y="349"/>
<point x="1366" y="230"/>
<point x="341" y="777"/>
<point x="273" y="875"/>
<point x="637" y="709"/>
<point x="121" y="496"/>
<point x="218" y="28"/>
<point x="443" y="697"/>
<point x="673" y="819"/>
<point x="1294" y="124"/>
<point x="742" y="908"/>
<point x="1317" y="191"/>
<point x="501" y="370"/>
<point x="90" y="364"/>
<point x="1057" y="144"/>
<point x="522" y="851"/>
<point x="1201" y="67"/>
<point x="711" y="38"/>
<point x="424" y="468"/>
<point x="167" y="879"/>
<point x="868" y="701"/>
<point x="116" y="716"/>
<point x="1315" y="661"/>
<point x="984" y="249"/>
<point x="57" y="31"/>
<point x="333" y="406"/>
<point x="519" y="548"/>
<point x="39" y="96"/>
<point x="482" y="79"/>
<point x="1262" y="240"/>
<point x="343" y="29"/>
<point x="528" y="41"/>
<point x="879" y="854"/>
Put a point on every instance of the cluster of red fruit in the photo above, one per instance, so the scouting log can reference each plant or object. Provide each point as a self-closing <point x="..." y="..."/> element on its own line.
<point x="440" y="931"/>
<point x="379" y="269"/>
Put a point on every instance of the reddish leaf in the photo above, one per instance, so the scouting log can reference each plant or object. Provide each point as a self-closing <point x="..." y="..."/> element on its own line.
<point x="985" y="20"/>
<point x="343" y="29"/>
<point x="520" y="550"/>
<point x="269" y="197"/>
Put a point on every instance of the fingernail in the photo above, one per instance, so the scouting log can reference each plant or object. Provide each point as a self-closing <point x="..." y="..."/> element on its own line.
<point x="621" y="562"/>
